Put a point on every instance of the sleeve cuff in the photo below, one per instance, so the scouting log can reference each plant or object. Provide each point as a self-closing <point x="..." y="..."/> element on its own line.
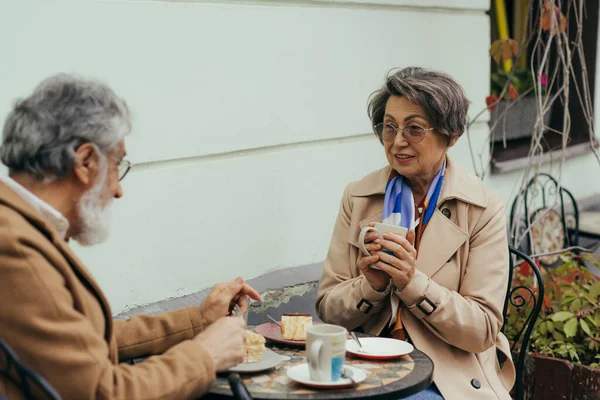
<point x="415" y="289"/>
<point x="368" y="293"/>
<point x="196" y="319"/>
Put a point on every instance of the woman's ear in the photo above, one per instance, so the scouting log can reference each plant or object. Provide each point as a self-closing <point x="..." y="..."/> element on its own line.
<point x="86" y="164"/>
<point x="453" y="141"/>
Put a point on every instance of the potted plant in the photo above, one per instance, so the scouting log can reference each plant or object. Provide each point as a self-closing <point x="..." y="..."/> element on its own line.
<point x="512" y="99"/>
<point x="565" y="342"/>
<point x="515" y="91"/>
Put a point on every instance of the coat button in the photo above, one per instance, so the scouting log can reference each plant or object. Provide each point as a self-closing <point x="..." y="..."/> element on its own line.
<point x="446" y="213"/>
<point x="475" y="383"/>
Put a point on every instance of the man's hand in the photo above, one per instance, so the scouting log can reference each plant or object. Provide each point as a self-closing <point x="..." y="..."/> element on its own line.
<point x="223" y="297"/>
<point x="224" y="341"/>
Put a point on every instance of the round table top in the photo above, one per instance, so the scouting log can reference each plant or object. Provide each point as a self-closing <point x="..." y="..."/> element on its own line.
<point x="391" y="379"/>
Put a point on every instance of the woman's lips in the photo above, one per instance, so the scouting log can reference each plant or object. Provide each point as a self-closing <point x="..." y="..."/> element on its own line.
<point x="403" y="158"/>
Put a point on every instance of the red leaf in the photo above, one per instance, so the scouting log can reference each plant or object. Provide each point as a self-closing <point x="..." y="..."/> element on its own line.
<point x="546" y="19"/>
<point x="547" y="303"/>
<point x="525" y="269"/>
<point x="491" y="101"/>
<point x="504" y="49"/>
<point x="512" y="92"/>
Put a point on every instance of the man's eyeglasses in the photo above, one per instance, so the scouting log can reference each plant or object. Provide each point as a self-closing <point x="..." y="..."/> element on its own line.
<point x="123" y="168"/>
<point x="412" y="133"/>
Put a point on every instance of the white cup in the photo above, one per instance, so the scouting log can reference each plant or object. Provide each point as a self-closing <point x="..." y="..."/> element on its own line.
<point x="380" y="228"/>
<point x="326" y="351"/>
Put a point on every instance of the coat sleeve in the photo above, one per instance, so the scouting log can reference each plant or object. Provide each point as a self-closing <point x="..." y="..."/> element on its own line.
<point x="342" y="285"/>
<point x="146" y="335"/>
<point x="471" y="318"/>
<point x="40" y="321"/>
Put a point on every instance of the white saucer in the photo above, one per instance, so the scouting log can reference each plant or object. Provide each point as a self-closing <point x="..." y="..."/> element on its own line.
<point x="300" y="374"/>
<point x="376" y="348"/>
<point x="270" y="360"/>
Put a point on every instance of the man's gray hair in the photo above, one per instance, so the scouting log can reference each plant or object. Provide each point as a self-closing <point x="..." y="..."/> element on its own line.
<point x="42" y="132"/>
<point x="443" y="99"/>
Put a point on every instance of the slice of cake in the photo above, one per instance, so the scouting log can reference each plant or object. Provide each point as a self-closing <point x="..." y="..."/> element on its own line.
<point x="255" y="347"/>
<point x="294" y="326"/>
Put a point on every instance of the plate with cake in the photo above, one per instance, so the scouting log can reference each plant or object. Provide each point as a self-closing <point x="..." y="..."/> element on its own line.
<point x="291" y="331"/>
<point x="258" y="357"/>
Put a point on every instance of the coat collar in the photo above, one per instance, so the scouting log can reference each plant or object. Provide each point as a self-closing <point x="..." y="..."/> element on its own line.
<point x="443" y="237"/>
<point x="458" y="184"/>
<point x="50" y="215"/>
<point x="11" y="199"/>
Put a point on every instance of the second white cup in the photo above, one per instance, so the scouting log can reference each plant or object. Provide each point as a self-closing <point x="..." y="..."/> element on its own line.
<point x="326" y="351"/>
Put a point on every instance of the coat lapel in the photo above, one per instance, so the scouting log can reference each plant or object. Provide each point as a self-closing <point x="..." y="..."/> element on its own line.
<point x="88" y="281"/>
<point x="17" y="203"/>
<point x="374" y="218"/>
<point x="441" y="239"/>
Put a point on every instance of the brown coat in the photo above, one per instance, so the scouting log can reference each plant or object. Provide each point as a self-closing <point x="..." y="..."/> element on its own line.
<point x="56" y="318"/>
<point x="462" y="268"/>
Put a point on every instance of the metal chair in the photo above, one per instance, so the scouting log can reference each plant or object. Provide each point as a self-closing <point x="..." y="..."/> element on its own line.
<point x="30" y="383"/>
<point x="239" y="390"/>
<point x="556" y="212"/>
<point x="522" y="297"/>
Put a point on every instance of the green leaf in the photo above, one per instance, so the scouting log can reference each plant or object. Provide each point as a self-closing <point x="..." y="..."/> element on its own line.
<point x="589" y="299"/>
<point x="576" y="305"/>
<point x="591" y="320"/>
<point x="543" y="329"/>
<point x="571" y="327"/>
<point x="562" y="316"/>
<point x="550" y="325"/>
<point x="573" y="354"/>
<point x="595" y="290"/>
<point x="585" y="327"/>
<point x="567" y="299"/>
<point x="558" y="336"/>
<point x="561" y="269"/>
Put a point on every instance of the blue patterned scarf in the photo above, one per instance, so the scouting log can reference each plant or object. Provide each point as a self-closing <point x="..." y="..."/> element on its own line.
<point x="399" y="204"/>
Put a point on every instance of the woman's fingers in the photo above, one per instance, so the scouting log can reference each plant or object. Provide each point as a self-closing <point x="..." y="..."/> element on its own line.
<point x="371" y="236"/>
<point x="371" y="247"/>
<point x="400" y="264"/>
<point x="398" y="245"/>
<point x="363" y="263"/>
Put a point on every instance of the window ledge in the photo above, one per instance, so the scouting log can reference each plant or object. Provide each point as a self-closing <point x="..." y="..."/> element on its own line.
<point x="575" y="150"/>
<point x="441" y="5"/>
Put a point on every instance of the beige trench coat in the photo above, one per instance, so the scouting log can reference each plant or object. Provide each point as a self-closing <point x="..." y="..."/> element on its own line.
<point x="454" y="303"/>
<point x="56" y="318"/>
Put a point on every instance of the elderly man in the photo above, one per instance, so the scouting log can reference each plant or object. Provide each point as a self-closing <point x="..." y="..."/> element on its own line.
<point x="64" y="147"/>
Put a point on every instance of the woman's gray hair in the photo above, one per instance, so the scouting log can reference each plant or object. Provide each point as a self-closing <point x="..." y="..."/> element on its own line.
<point x="443" y="99"/>
<point x="42" y="132"/>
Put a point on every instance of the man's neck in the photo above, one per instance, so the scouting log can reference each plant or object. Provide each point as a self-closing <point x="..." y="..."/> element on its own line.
<point x="55" y="193"/>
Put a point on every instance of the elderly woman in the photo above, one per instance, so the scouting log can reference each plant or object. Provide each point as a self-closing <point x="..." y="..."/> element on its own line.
<point x="442" y="287"/>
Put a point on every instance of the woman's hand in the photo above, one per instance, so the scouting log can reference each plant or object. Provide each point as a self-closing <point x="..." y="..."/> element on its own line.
<point x="400" y="266"/>
<point x="378" y="280"/>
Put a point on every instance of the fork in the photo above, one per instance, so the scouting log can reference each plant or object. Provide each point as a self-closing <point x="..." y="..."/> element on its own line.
<point x="274" y="320"/>
<point x="237" y="311"/>
<point x="360" y="348"/>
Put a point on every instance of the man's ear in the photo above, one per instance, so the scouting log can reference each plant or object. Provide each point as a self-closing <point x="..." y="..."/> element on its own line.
<point x="86" y="164"/>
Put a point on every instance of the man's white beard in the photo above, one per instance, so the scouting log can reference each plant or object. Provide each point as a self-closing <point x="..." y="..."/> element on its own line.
<point x="94" y="218"/>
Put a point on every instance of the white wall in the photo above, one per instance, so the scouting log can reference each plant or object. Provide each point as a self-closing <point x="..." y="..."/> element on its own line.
<point x="249" y="119"/>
